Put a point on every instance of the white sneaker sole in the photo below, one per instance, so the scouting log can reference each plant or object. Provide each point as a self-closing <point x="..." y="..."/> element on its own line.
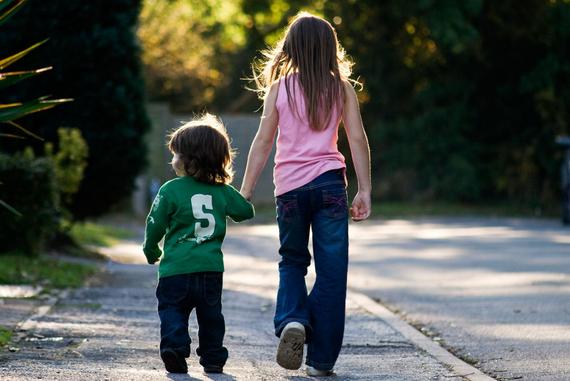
<point x="318" y="373"/>
<point x="291" y="346"/>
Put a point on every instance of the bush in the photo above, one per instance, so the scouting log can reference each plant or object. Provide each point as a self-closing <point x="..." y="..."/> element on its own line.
<point x="69" y="162"/>
<point x="28" y="185"/>
<point x="95" y="57"/>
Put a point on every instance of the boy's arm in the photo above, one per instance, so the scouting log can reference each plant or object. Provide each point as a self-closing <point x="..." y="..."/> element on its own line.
<point x="361" y="205"/>
<point x="156" y="224"/>
<point x="262" y="143"/>
<point x="237" y="207"/>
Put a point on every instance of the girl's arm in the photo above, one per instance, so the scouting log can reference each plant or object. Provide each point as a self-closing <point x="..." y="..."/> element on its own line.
<point x="361" y="205"/>
<point x="262" y="143"/>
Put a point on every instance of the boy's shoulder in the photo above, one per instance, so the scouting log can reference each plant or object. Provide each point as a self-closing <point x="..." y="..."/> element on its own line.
<point x="186" y="183"/>
<point x="171" y="184"/>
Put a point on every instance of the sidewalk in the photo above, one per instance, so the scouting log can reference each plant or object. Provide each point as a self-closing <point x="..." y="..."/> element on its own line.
<point x="109" y="331"/>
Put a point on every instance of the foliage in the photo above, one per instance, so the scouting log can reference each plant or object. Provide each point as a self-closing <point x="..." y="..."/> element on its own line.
<point x="180" y="40"/>
<point x="69" y="161"/>
<point x="462" y="100"/>
<point x="90" y="233"/>
<point x="32" y="191"/>
<point x="94" y="52"/>
<point x="196" y="52"/>
<point x="16" y="268"/>
<point x="5" y="336"/>
<point x="16" y="109"/>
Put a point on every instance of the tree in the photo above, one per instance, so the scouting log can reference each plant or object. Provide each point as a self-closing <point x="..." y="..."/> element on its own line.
<point x="94" y="52"/>
<point x="196" y="53"/>
<point x="462" y="99"/>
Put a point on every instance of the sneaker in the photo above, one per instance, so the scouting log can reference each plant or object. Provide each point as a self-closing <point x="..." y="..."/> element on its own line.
<point x="173" y="362"/>
<point x="314" y="372"/>
<point x="291" y="345"/>
<point x="213" y="369"/>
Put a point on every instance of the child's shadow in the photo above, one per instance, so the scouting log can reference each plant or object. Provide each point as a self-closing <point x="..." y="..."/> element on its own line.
<point x="220" y="377"/>
<point x="214" y="377"/>
<point x="180" y="377"/>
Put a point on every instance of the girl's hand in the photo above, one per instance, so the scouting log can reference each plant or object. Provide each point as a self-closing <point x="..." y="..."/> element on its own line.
<point x="361" y="206"/>
<point x="246" y="194"/>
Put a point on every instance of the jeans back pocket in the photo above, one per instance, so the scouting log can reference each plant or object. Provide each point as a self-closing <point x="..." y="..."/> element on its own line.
<point x="287" y="207"/>
<point x="335" y="204"/>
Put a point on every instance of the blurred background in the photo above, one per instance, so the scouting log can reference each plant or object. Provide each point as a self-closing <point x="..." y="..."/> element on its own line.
<point x="462" y="101"/>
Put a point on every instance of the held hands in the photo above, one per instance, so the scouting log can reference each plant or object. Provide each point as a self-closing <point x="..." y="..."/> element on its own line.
<point x="361" y="206"/>
<point x="247" y="194"/>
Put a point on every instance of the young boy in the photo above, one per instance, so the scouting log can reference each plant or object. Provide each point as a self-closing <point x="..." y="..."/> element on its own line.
<point x="190" y="212"/>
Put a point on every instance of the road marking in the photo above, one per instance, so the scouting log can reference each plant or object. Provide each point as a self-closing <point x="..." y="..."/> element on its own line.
<point x="459" y="366"/>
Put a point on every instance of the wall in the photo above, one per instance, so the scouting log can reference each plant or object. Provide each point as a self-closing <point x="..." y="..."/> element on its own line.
<point x="241" y="128"/>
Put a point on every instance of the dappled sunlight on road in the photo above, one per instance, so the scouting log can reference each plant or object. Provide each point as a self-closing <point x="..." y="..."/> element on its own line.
<point x="491" y="288"/>
<point x="128" y="252"/>
<point x="460" y="257"/>
<point x="459" y="283"/>
<point x="267" y="230"/>
<point x="495" y="290"/>
<point x="458" y="229"/>
<point x="19" y="291"/>
<point x="244" y="271"/>
<point x="529" y="332"/>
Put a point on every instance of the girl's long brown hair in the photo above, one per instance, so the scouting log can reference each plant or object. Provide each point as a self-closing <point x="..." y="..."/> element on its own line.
<point x="310" y="49"/>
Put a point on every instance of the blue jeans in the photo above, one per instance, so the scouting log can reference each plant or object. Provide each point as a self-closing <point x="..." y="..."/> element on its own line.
<point x="320" y="205"/>
<point x="177" y="296"/>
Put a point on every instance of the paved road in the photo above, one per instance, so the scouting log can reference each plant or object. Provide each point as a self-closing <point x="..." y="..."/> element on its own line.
<point x="497" y="292"/>
<point x="109" y="331"/>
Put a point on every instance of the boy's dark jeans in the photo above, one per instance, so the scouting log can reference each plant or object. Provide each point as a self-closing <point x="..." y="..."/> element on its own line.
<point x="177" y="296"/>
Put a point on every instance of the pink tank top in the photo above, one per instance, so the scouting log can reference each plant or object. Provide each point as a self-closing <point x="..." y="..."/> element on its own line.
<point x="302" y="153"/>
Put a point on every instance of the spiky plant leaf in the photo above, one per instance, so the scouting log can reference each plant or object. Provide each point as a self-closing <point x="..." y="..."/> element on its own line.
<point x="9" y="8"/>
<point x="12" y="113"/>
<point x="5" y="62"/>
<point x="8" y="79"/>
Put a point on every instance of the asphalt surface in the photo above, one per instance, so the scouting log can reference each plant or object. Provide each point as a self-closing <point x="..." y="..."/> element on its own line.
<point x="494" y="291"/>
<point x="109" y="330"/>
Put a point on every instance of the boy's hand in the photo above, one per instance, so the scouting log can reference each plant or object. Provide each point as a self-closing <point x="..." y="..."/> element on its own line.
<point x="361" y="206"/>
<point x="152" y="255"/>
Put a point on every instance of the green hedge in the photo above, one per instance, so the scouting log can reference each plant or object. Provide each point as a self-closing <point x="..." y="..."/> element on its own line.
<point x="28" y="185"/>
<point x="95" y="57"/>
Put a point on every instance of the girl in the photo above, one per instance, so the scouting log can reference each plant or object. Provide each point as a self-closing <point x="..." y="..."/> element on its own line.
<point x="305" y="86"/>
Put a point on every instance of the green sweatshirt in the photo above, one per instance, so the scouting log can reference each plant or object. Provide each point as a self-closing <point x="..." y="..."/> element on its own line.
<point x="191" y="216"/>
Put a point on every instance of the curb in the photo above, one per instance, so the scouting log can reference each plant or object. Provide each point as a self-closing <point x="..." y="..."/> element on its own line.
<point x="31" y="322"/>
<point x="460" y="367"/>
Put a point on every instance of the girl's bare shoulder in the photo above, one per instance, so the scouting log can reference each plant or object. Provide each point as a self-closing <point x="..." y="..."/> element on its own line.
<point x="271" y="96"/>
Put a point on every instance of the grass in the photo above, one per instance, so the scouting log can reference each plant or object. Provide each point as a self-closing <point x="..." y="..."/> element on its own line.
<point x="413" y="209"/>
<point x="47" y="272"/>
<point x="394" y="209"/>
<point x="5" y="336"/>
<point x="89" y="233"/>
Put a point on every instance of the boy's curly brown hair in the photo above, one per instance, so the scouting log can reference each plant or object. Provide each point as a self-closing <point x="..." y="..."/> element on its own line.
<point x="201" y="149"/>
